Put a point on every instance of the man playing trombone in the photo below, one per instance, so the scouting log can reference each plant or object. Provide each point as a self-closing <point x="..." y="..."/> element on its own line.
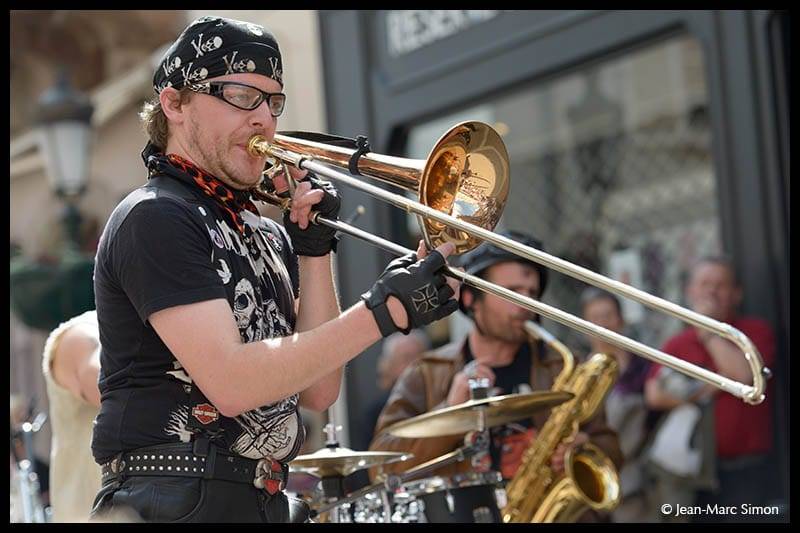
<point x="216" y="324"/>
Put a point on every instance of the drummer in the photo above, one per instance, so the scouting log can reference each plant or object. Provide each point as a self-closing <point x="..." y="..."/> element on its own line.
<point x="496" y="348"/>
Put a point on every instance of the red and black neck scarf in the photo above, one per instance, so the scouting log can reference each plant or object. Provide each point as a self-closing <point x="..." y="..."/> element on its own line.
<point x="232" y="202"/>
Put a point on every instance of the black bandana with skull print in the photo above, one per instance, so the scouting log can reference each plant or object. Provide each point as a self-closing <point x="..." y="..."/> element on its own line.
<point x="214" y="46"/>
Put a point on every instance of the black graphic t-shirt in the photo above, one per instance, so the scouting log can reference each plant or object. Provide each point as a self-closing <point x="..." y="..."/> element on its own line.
<point x="168" y="244"/>
<point x="513" y="378"/>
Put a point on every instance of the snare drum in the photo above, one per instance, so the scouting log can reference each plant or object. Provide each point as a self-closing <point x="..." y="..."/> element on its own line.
<point x="464" y="498"/>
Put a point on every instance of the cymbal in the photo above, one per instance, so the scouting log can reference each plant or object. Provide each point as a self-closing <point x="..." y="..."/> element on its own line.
<point x="343" y="461"/>
<point x="464" y="417"/>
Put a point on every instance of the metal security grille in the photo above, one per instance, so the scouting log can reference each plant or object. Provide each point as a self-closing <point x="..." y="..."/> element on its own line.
<point x="638" y="206"/>
<point x="611" y="167"/>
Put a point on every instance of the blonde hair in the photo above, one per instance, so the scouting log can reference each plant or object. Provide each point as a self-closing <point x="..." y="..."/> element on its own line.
<point x="154" y="121"/>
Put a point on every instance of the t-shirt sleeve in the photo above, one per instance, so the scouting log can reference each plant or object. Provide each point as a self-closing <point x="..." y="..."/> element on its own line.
<point x="162" y="258"/>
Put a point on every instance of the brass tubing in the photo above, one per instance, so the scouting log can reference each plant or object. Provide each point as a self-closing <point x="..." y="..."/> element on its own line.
<point x="751" y="394"/>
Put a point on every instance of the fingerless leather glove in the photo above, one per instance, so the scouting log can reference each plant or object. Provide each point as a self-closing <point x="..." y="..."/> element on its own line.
<point x="421" y="288"/>
<point x="317" y="239"/>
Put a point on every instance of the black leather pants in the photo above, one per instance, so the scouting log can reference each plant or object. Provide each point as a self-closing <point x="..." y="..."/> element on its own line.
<point x="181" y="499"/>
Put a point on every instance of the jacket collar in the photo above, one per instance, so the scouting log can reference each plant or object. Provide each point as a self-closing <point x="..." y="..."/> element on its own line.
<point x="455" y="353"/>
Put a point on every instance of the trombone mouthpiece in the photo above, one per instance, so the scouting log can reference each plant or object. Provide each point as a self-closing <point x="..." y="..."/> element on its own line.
<point x="257" y="145"/>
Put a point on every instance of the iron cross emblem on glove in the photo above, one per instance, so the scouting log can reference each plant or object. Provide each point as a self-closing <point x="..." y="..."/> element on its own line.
<point x="425" y="298"/>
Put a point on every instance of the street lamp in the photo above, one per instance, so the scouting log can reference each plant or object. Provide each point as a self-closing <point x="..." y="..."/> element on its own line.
<point x="64" y="128"/>
<point x="43" y="293"/>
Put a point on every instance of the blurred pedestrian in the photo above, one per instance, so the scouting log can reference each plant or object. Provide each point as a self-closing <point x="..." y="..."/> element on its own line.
<point x="742" y="433"/>
<point x="626" y="412"/>
<point x="71" y="365"/>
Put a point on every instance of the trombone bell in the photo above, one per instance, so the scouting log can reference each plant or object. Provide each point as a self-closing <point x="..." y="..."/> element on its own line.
<point x="466" y="176"/>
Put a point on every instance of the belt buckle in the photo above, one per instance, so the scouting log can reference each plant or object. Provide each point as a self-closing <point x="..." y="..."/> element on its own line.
<point x="267" y="478"/>
<point x="114" y="466"/>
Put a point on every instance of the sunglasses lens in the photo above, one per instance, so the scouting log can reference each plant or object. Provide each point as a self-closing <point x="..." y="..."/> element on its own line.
<point x="245" y="97"/>
<point x="241" y="96"/>
<point x="276" y="103"/>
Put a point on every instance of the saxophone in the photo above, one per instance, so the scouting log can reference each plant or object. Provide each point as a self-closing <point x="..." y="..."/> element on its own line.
<point x="590" y="479"/>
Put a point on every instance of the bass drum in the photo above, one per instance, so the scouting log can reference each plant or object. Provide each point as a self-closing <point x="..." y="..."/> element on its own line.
<point x="370" y="509"/>
<point x="464" y="498"/>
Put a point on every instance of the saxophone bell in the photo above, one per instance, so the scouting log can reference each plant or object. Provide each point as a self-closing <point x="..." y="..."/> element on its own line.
<point x="590" y="481"/>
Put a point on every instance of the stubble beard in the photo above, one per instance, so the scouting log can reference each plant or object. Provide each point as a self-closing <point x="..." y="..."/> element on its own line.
<point x="217" y="159"/>
<point x="496" y="329"/>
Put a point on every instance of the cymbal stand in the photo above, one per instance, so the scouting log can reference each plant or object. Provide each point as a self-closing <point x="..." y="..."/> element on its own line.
<point x="333" y="486"/>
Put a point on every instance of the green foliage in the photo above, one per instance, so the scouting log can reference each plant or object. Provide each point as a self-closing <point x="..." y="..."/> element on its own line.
<point x="45" y="294"/>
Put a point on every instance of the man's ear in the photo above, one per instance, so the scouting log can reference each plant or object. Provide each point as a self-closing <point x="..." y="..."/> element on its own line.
<point x="467" y="298"/>
<point x="171" y="104"/>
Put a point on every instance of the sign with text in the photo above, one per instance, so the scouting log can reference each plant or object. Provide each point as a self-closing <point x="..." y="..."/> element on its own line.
<point x="410" y="29"/>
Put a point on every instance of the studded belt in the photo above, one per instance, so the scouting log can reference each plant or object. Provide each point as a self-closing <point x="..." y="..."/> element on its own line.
<point x="200" y="459"/>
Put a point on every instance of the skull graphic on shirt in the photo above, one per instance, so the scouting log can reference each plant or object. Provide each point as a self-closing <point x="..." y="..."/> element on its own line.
<point x="247" y="311"/>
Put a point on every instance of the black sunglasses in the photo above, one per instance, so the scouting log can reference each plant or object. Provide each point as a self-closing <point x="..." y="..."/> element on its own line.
<point x="242" y="96"/>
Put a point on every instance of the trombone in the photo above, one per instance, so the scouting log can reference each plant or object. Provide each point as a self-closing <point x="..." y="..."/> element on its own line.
<point x="462" y="188"/>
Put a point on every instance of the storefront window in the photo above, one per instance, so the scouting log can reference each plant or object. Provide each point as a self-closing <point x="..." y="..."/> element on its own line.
<point x="611" y="167"/>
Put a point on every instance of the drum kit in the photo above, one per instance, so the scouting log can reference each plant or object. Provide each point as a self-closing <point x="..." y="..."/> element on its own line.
<point x="415" y="495"/>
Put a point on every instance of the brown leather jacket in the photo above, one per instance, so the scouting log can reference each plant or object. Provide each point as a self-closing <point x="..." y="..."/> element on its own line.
<point x="423" y="387"/>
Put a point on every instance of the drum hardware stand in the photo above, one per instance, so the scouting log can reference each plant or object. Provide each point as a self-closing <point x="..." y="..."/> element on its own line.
<point x="332" y="486"/>
<point x="476" y="447"/>
<point x="331" y="430"/>
<point x="479" y="390"/>
<point x="33" y="510"/>
<point x="333" y="489"/>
